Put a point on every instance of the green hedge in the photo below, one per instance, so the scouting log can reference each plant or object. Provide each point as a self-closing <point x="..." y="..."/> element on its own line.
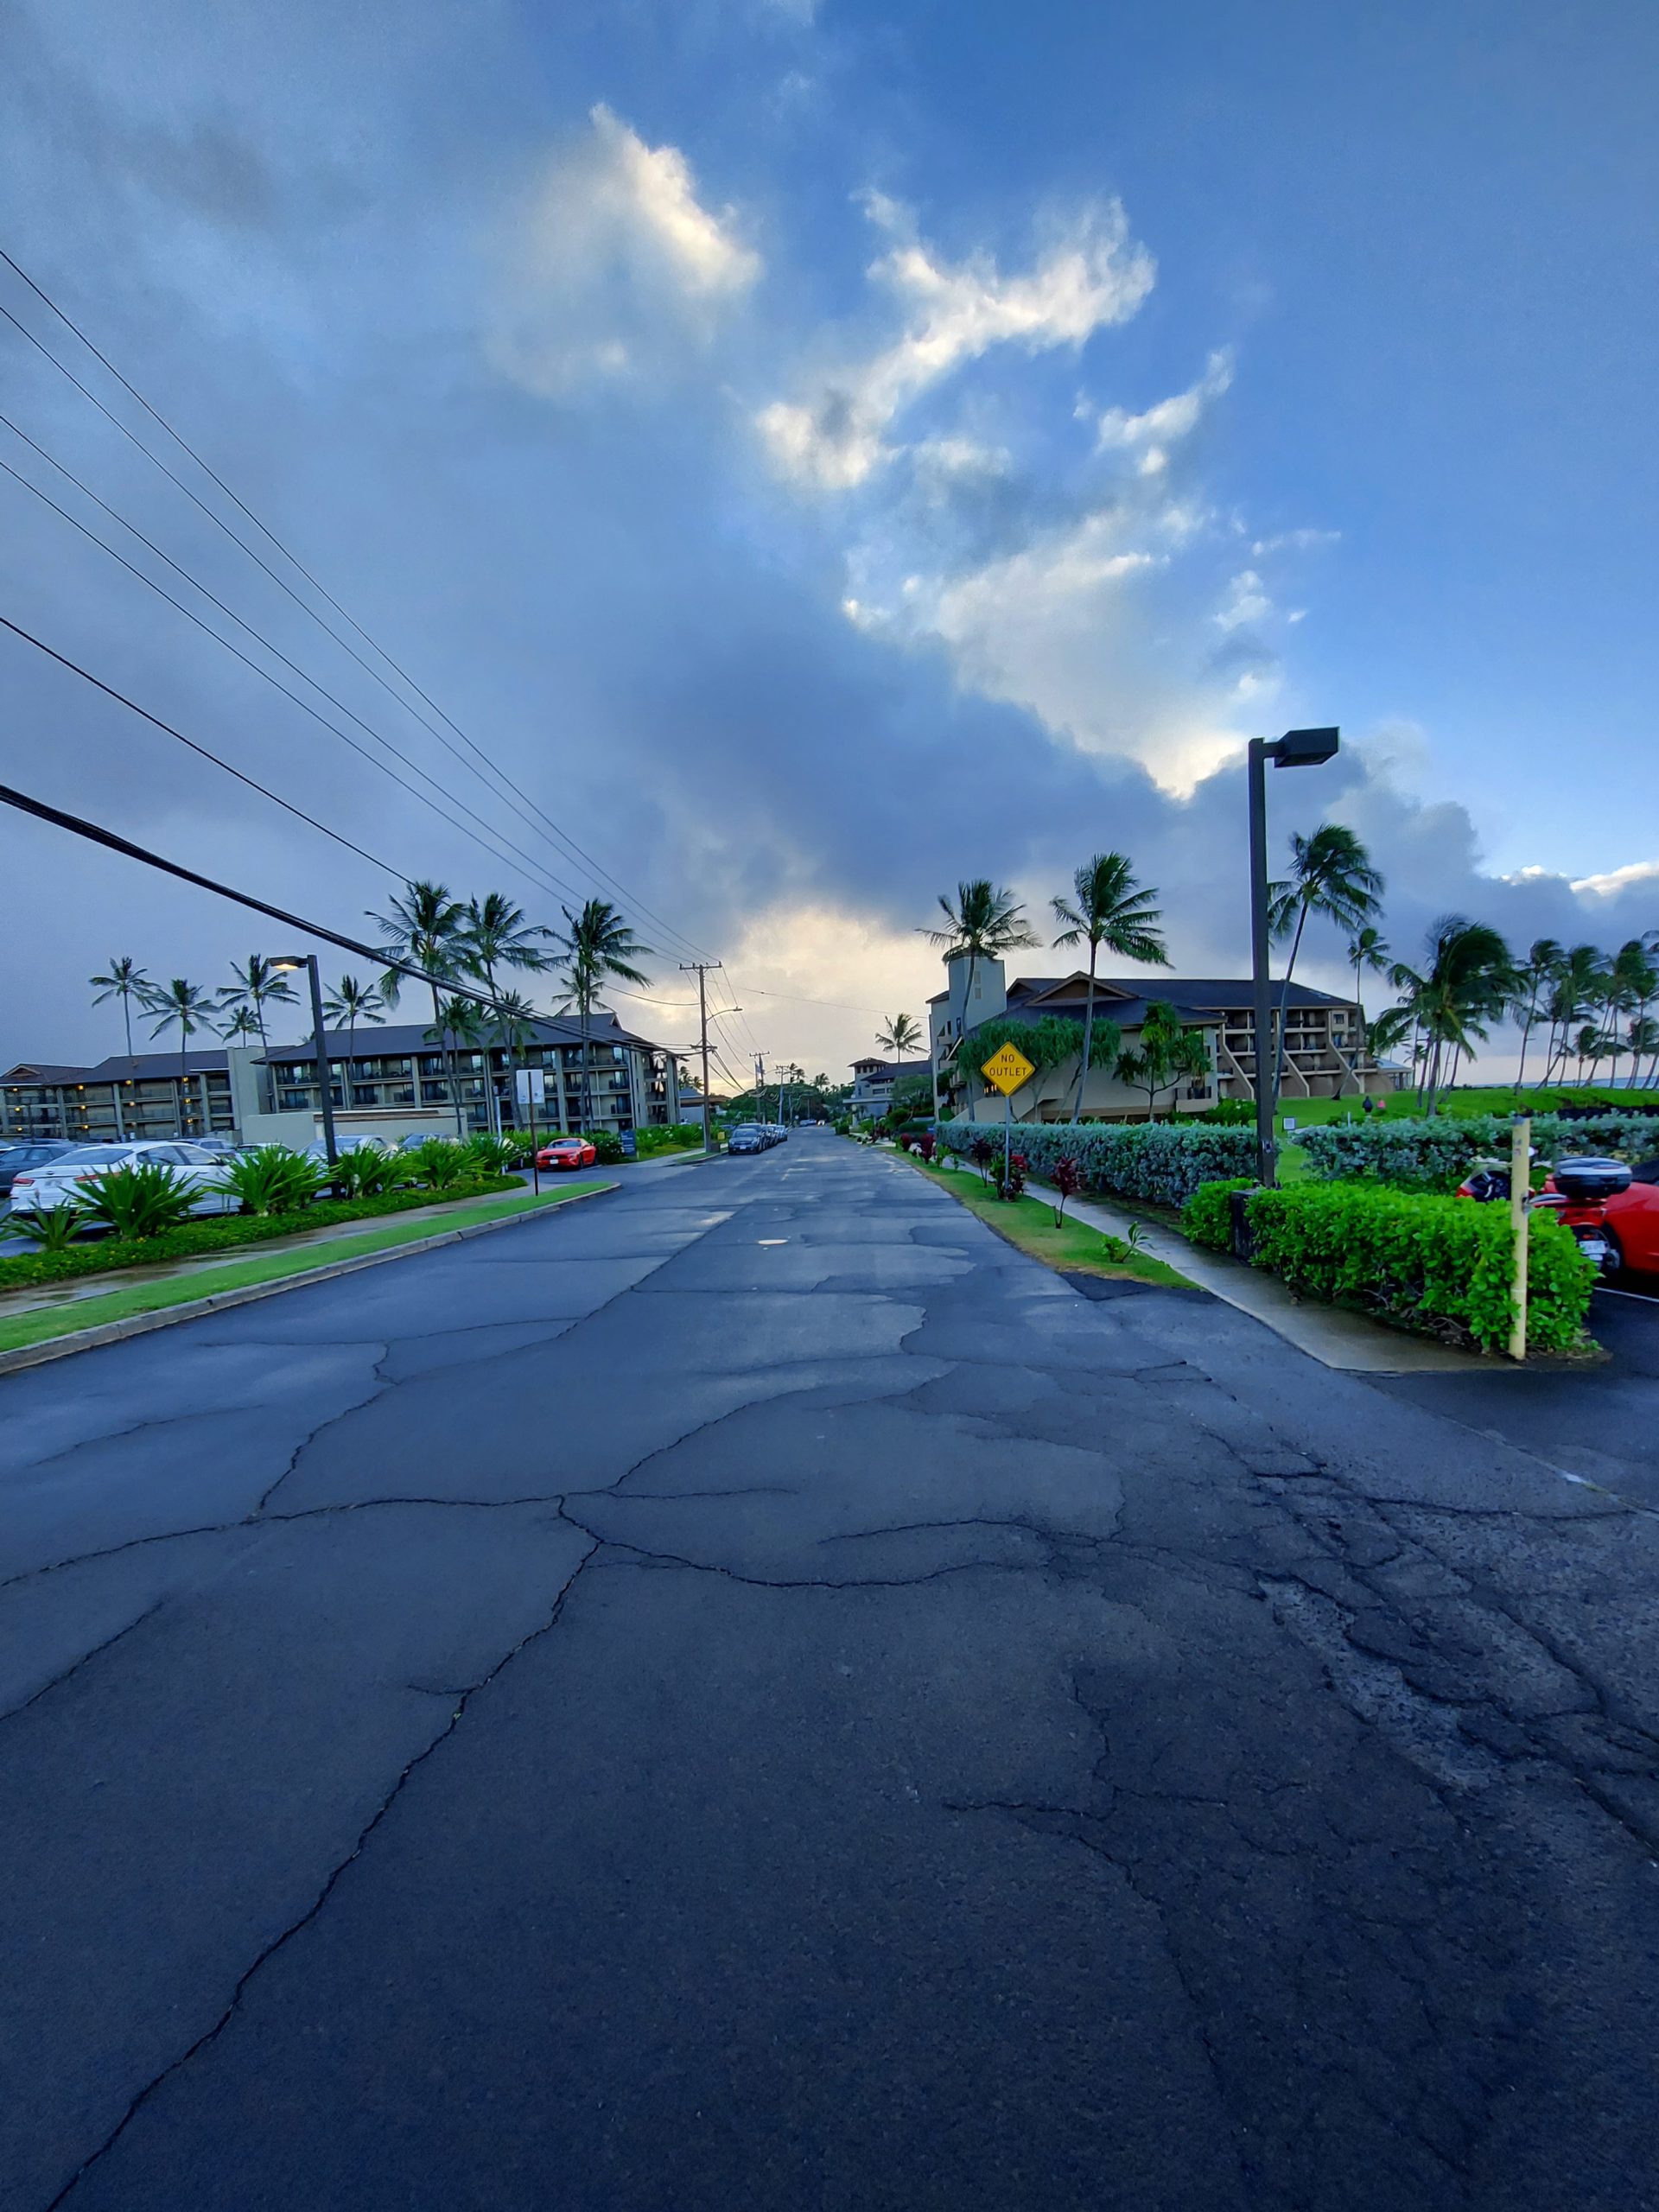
<point x="1207" y="1216"/>
<point x="224" y="1233"/>
<point x="1430" y="1262"/>
<point x="1162" y="1162"/>
<point x="1425" y="1155"/>
<point x="680" y="1136"/>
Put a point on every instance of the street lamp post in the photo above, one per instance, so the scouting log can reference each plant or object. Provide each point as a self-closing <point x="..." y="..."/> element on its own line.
<point x="1296" y="748"/>
<point x="325" y="1081"/>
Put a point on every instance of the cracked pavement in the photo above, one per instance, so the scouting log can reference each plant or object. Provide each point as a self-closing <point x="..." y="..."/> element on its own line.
<point x="630" y="1713"/>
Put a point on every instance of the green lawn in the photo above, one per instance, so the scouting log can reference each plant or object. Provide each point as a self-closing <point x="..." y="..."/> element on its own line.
<point x="1029" y="1224"/>
<point x="42" y="1324"/>
<point x="1494" y="1098"/>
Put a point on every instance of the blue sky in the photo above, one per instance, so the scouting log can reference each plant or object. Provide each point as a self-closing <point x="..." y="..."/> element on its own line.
<point x="824" y="452"/>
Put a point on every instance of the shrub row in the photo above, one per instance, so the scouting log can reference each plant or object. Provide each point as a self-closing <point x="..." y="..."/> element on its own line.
<point x="1425" y="1155"/>
<point x="1162" y="1162"/>
<point x="1430" y="1262"/>
<point x="223" y="1233"/>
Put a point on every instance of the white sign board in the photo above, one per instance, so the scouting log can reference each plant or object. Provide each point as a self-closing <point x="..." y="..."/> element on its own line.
<point x="530" y="1087"/>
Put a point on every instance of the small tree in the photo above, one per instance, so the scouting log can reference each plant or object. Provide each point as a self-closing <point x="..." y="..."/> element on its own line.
<point x="1067" y="1179"/>
<point x="1168" y="1051"/>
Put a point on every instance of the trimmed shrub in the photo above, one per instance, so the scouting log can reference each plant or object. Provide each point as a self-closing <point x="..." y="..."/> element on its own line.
<point x="1442" y="1264"/>
<point x="680" y="1136"/>
<point x="1435" y="1154"/>
<point x="1162" y="1162"/>
<point x="607" y="1146"/>
<point x="1207" y="1216"/>
<point x="220" y="1233"/>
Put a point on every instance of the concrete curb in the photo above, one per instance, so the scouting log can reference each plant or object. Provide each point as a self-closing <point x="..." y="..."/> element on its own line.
<point x="139" y="1325"/>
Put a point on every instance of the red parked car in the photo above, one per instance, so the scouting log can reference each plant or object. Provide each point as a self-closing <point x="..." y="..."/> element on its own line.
<point x="1629" y="1218"/>
<point x="566" y="1151"/>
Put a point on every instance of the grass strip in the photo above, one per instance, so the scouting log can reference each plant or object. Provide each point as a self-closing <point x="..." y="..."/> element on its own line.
<point x="42" y="1324"/>
<point x="1028" y="1223"/>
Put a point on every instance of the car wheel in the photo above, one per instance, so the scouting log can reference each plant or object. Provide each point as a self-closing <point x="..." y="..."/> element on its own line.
<point x="1613" y="1266"/>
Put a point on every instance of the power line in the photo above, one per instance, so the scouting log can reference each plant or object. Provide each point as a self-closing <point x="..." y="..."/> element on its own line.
<point x="554" y="885"/>
<point x="551" y="827"/>
<point x="122" y="699"/>
<point x="79" y="827"/>
<point x="795" y="999"/>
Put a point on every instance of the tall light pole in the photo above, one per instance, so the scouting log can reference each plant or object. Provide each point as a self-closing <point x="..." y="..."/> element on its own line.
<point x="286" y="966"/>
<point x="1296" y="748"/>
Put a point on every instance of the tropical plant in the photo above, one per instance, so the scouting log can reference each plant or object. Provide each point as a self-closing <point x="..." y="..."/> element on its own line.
<point x="347" y="1004"/>
<point x="125" y="981"/>
<point x="1067" y="1178"/>
<point x="437" y="1163"/>
<point x="498" y="936"/>
<point x="145" y="1200"/>
<point x="1009" y="1179"/>
<point x="271" y="1178"/>
<point x="1574" y="992"/>
<point x="597" y="946"/>
<point x="513" y="1020"/>
<point x="1632" y="979"/>
<point x="426" y="928"/>
<point x="1111" y="909"/>
<point x="1544" y="955"/>
<point x="1466" y="981"/>
<point x="1331" y="874"/>
<point x="244" y="1022"/>
<point x="187" y="1007"/>
<point x="256" y="984"/>
<point x="50" y="1228"/>
<point x="1369" y="953"/>
<point x="489" y="1156"/>
<point x="460" y="1023"/>
<point x="902" y="1034"/>
<point x="364" y="1171"/>
<point x="1168" y="1050"/>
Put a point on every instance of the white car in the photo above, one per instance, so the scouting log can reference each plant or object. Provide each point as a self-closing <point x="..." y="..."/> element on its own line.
<point x="64" y="1181"/>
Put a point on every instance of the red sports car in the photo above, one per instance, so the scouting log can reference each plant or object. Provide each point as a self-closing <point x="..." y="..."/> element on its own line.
<point x="1633" y="1218"/>
<point x="566" y="1151"/>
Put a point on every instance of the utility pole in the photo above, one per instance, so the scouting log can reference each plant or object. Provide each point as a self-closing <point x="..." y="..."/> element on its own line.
<point x="701" y="968"/>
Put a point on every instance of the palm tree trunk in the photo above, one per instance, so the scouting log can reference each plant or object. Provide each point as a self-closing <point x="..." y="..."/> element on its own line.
<point x="1088" y="1030"/>
<point x="126" y="1016"/>
<point x="1521" y="1064"/>
<point x="587" y="1066"/>
<point x="184" y="1081"/>
<point x="1284" y="999"/>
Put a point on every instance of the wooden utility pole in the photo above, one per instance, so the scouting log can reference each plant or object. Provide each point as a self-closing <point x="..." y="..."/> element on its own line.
<point x="701" y="968"/>
<point x="1520" y="1191"/>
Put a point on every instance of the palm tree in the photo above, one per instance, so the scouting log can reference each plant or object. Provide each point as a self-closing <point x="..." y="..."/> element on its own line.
<point x="513" y="1018"/>
<point x="1632" y="979"/>
<point x="597" y="945"/>
<point x="1167" y="1052"/>
<point x="1643" y="1037"/>
<point x="985" y="922"/>
<point x="126" y="980"/>
<point x="1544" y="957"/>
<point x="350" y="1003"/>
<point x="187" y="1007"/>
<point x="1369" y="951"/>
<point x="1331" y="874"/>
<point x="458" y="1021"/>
<point x="498" y="936"/>
<point x="1112" y="910"/>
<point x="255" y="985"/>
<point x="902" y="1034"/>
<point x="1467" y="980"/>
<point x="1574" y="992"/>
<point x="243" y="1023"/>
<point x="426" y="928"/>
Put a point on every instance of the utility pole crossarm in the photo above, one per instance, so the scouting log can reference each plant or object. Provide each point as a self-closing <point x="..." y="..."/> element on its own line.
<point x="701" y="968"/>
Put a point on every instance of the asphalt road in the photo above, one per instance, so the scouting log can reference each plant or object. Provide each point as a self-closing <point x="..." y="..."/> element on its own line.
<point x="750" y="1693"/>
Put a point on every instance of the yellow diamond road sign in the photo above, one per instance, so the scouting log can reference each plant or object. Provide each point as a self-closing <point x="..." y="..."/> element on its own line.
<point x="1007" y="1068"/>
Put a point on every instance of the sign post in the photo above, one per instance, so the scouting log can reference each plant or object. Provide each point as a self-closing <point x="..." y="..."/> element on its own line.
<point x="530" y="1088"/>
<point x="1006" y="1069"/>
<point x="1520" y="1192"/>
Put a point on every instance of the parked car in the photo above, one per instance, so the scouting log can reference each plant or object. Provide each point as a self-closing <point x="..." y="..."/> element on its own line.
<point x="60" y="1182"/>
<point x="21" y="1158"/>
<point x="749" y="1137"/>
<point x="566" y="1151"/>
<point x="1626" y="1218"/>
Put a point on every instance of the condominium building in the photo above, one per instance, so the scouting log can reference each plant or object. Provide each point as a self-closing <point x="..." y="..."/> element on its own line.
<point x="391" y="1080"/>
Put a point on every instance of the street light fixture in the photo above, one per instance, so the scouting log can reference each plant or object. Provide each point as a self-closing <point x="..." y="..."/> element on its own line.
<point x="287" y="965"/>
<point x="1296" y="748"/>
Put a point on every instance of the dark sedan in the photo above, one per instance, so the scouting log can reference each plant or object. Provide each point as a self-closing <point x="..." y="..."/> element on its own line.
<point x="19" y="1158"/>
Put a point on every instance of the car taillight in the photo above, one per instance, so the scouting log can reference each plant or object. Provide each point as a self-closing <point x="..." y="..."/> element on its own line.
<point x="17" y="1181"/>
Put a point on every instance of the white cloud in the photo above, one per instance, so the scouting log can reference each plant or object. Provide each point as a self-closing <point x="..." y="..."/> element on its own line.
<point x="1149" y="436"/>
<point x="1089" y="275"/>
<point x="1247" y="600"/>
<point x="1616" y="879"/>
<point x="615" y="264"/>
<point x="1294" y="541"/>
